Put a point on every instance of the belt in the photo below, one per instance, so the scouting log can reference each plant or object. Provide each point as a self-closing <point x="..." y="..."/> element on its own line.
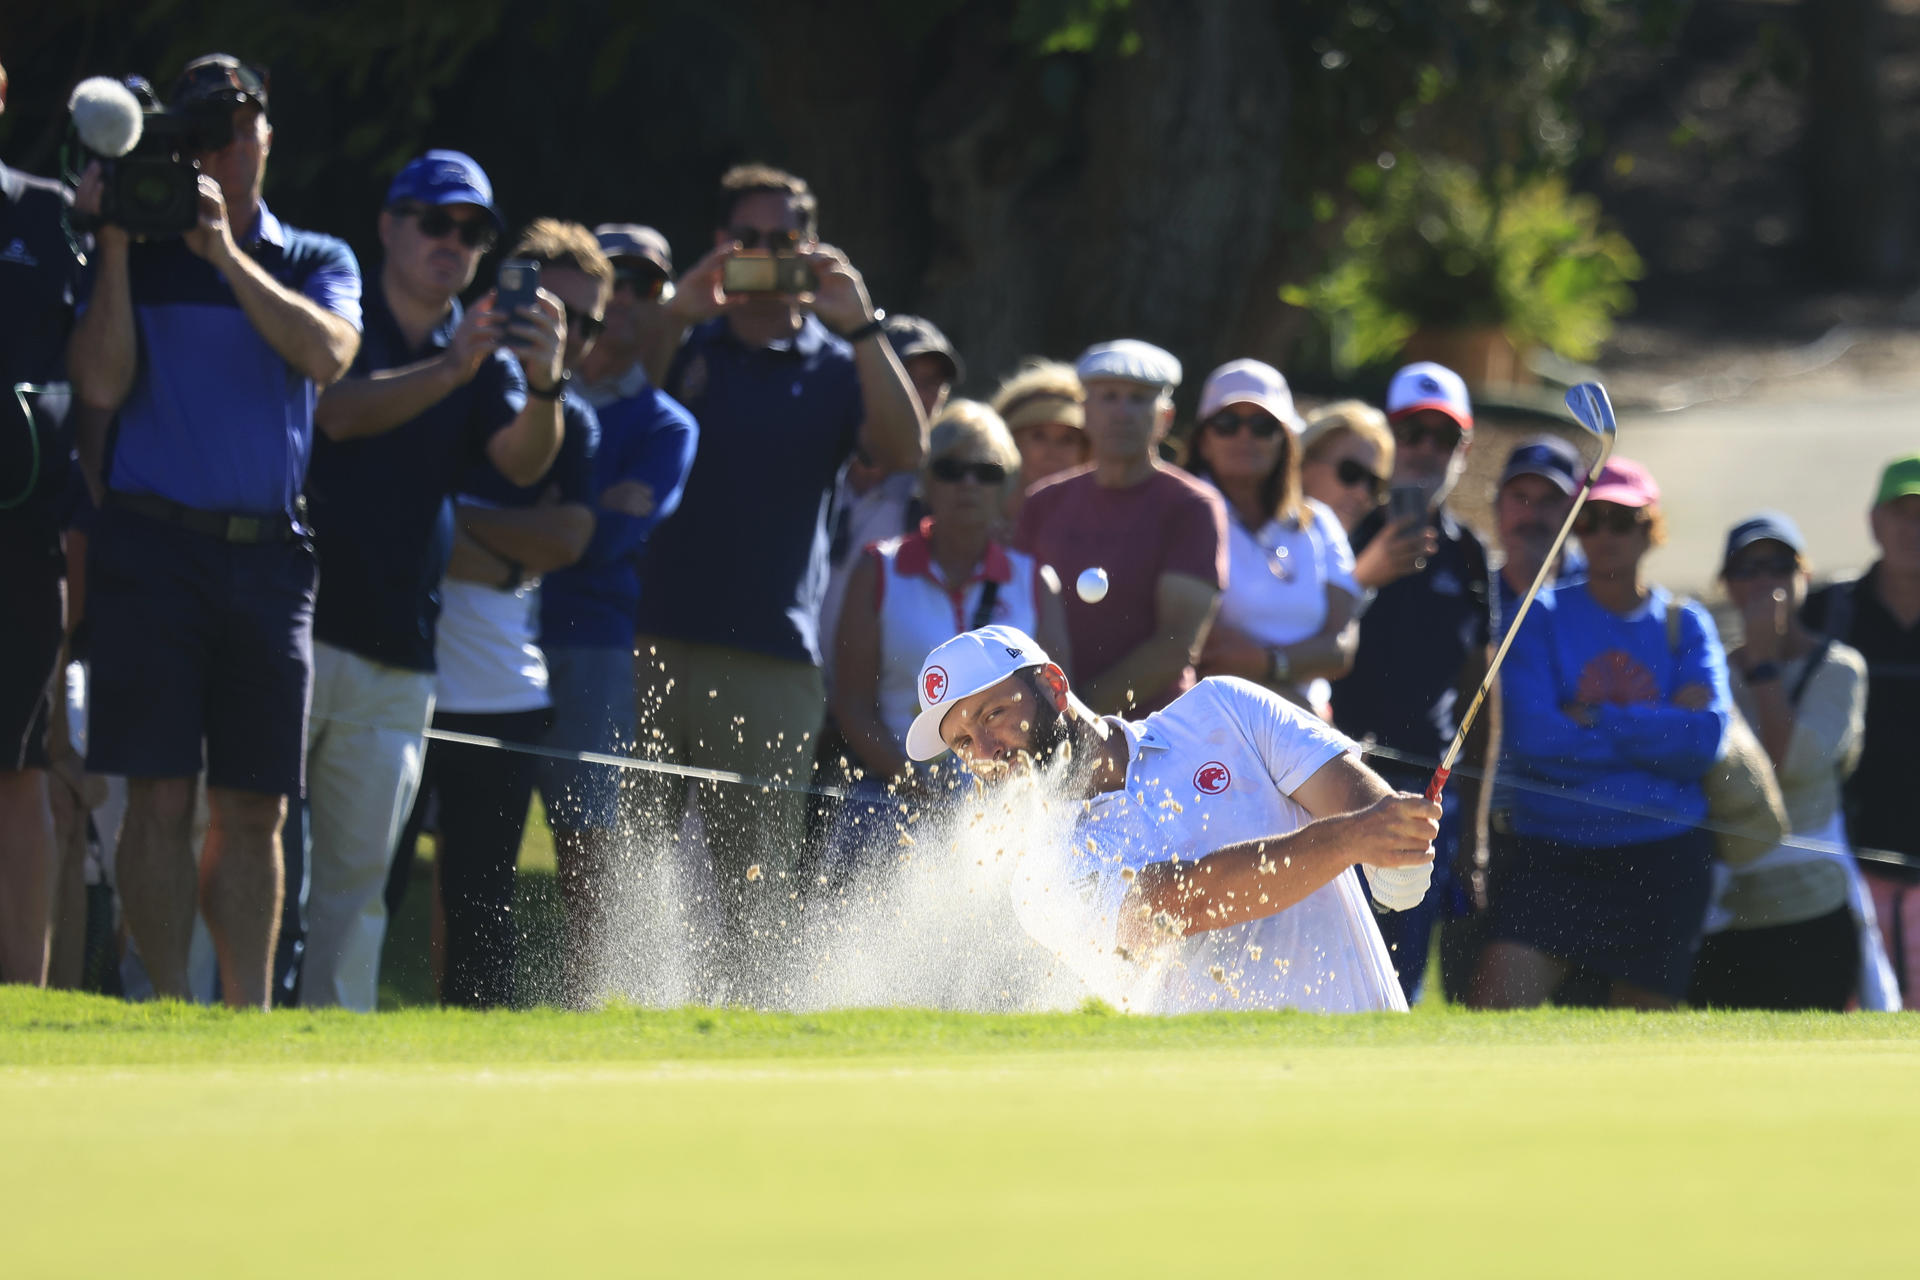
<point x="245" y="530"/>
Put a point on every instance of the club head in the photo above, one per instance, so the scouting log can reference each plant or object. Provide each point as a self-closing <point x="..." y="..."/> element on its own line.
<point x="1590" y="407"/>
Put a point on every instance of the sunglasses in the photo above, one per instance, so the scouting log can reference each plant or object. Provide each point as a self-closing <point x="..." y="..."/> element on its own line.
<point x="646" y="285"/>
<point x="436" y="223"/>
<point x="1412" y="435"/>
<point x="1772" y="567"/>
<point x="1227" y="423"/>
<point x="584" y="326"/>
<point x="772" y="241"/>
<point x="1352" y="475"/>
<point x="952" y="471"/>
<point x="1618" y="520"/>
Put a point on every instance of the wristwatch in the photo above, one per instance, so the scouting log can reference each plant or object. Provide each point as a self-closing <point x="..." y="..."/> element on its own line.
<point x="876" y="325"/>
<point x="1763" y="671"/>
<point x="553" y="392"/>
<point x="1279" y="667"/>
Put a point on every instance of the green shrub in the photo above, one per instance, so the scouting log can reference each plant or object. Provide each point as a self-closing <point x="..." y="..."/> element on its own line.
<point x="1435" y="246"/>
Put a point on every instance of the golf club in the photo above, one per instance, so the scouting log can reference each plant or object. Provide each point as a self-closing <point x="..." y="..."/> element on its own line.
<point x="1591" y="408"/>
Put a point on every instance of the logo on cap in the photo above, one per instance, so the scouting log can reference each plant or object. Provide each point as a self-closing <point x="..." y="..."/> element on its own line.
<point x="1428" y="385"/>
<point x="1014" y="653"/>
<point x="1211" y="778"/>
<point x="935" y="684"/>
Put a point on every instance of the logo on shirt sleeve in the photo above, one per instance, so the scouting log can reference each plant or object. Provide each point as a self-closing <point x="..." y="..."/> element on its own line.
<point x="934" y="683"/>
<point x="1211" y="778"/>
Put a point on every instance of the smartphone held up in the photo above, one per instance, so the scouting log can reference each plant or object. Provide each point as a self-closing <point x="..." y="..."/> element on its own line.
<point x="768" y="273"/>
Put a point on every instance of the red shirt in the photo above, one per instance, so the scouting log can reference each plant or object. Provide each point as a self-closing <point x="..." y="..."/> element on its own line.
<point x="1168" y="523"/>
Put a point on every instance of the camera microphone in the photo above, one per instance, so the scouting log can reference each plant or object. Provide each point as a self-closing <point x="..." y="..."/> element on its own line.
<point x="106" y="116"/>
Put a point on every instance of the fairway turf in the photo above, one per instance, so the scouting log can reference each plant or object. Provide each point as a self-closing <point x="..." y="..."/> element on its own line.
<point x="165" y="1140"/>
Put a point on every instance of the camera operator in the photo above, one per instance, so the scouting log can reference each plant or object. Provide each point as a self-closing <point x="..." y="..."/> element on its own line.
<point x="212" y="348"/>
<point x="39" y="276"/>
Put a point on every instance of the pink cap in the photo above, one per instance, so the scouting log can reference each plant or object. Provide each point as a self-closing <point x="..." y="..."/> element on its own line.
<point x="1625" y="483"/>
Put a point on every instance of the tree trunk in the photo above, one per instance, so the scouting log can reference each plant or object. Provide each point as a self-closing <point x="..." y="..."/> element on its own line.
<point x="1848" y="230"/>
<point x="1064" y="200"/>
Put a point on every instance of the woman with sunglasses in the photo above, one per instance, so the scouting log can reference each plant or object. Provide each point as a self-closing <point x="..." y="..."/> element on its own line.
<point x="1286" y="616"/>
<point x="912" y="593"/>
<point x="1782" y="934"/>
<point x="1346" y="456"/>
<point x="1615" y="706"/>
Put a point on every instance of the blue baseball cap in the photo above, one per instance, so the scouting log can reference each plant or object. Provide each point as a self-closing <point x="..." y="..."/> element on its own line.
<point x="1767" y="526"/>
<point x="445" y="177"/>
<point x="1550" y="458"/>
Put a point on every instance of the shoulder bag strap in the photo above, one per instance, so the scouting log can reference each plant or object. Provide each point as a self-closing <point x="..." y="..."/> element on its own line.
<point x="983" y="612"/>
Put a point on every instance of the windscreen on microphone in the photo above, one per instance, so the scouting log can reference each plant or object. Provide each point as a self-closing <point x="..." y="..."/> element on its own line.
<point x="106" y="115"/>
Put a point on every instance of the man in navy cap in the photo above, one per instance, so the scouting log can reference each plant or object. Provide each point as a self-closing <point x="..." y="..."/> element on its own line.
<point x="211" y="348"/>
<point x="1536" y="492"/>
<point x="435" y="390"/>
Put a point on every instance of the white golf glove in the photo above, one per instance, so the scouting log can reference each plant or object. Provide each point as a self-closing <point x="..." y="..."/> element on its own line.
<point x="1398" y="888"/>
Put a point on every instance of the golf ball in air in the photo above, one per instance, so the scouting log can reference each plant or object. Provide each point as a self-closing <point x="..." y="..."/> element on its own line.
<point x="1092" y="586"/>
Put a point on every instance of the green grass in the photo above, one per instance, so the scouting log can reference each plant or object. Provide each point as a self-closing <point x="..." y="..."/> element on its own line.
<point x="163" y="1140"/>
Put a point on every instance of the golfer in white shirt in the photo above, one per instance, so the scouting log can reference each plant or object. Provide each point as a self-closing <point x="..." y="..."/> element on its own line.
<point x="1210" y="866"/>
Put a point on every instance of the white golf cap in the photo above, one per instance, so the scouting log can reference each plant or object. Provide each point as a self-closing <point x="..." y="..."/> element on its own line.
<point x="1130" y="360"/>
<point x="1249" y="382"/>
<point x="960" y="668"/>
<point x="1427" y="385"/>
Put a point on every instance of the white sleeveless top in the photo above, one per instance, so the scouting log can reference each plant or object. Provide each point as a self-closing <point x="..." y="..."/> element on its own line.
<point x="919" y="610"/>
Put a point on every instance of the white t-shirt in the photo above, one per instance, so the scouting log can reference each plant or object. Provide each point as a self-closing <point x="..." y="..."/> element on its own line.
<point x="1278" y="576"/>
<point x="484" y="649"/>
<point x="1215" y="768"/>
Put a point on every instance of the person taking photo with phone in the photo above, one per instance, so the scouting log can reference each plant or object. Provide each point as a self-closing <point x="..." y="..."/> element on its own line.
<point x="785" y="386"/>
<point x="435" y="390"/>
<point x="1425" y="642"/>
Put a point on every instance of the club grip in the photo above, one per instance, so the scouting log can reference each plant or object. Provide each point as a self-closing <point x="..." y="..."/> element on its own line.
<point x="1438" y="782"/>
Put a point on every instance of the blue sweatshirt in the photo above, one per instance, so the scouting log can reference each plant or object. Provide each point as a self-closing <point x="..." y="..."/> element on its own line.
<point x="1634" y="774"/>
<point x="591" y="603"/>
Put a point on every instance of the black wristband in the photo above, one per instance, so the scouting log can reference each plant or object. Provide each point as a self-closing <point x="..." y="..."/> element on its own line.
<point x="1763" y="671"/>
<point x="876" y="325"/>
<point x="553" y="392"/>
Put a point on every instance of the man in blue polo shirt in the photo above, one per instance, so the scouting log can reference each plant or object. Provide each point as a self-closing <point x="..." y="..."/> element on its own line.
<point x="433" y="393"/>
<point x="212" y="347"/>
<point x="647" y="444"/>
<point x="784" y="387"/>
<point x="1424" y="646"/>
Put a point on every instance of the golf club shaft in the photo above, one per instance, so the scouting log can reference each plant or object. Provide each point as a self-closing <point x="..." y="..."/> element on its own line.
<point x="1438" y="782"/>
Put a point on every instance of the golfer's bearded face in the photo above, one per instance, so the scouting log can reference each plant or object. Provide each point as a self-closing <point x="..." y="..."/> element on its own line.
<point x="1004" y="731"/>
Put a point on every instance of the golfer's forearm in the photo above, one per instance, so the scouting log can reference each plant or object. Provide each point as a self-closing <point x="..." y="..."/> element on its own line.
<point x="1245" y="881"/>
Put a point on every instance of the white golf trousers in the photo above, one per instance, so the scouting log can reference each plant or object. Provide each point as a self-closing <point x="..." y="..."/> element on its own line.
<point x="365" y="746"/>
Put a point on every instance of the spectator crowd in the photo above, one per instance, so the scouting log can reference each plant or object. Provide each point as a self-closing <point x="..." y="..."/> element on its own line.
<point x="268" y="520"/>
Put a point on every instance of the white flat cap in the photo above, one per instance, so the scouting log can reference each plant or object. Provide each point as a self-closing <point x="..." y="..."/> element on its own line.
<point x="1129" y="359"/>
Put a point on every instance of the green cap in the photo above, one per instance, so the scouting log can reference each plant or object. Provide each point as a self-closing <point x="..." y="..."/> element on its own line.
<point x="1901" y="478"/>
